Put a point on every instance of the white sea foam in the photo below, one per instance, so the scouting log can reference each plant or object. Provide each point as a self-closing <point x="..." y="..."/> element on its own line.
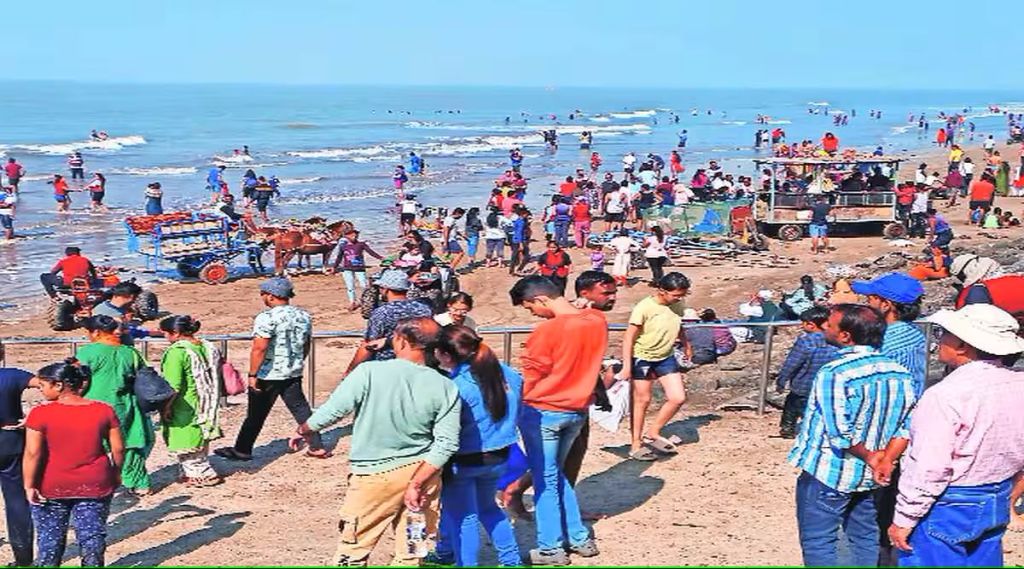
<point x="634" y="114"/>
<point x="902" y="129"/>
<point x="735" y="123"/>
<point x="233" y="159"/>
<point x="779" y="121"/>
<point x="600" y="118"/>
<point x="158" y="171"/>
<point x="451" y="146"/>
<point x="818" y="103"/>
<point x="110" y="145"/>
<point x="297" y="181"/>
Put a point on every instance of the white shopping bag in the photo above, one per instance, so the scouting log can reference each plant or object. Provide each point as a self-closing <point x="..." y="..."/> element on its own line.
<point x="618" y="395"/>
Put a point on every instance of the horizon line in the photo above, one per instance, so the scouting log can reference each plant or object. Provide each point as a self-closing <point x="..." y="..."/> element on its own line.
<point x="119" y="82"/>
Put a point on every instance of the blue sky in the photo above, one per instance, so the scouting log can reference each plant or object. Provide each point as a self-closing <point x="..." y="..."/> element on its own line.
<point x="682" y="43"/>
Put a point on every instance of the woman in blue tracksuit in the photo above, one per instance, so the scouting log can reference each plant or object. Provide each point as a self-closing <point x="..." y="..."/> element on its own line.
<point x="491" y="393"/>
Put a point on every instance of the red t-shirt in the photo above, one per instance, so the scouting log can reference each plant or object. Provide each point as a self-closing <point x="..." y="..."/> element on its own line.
<point x="13" y="170"/>
<point x="75" y="465"/>
<point x="1006" y="292"/>
<point x="982" y="191"/>
<point x="581" y="211"/>
<point x="72" y="267"/>
<point x="559" y="375"/>
<point x="567" y="188"/>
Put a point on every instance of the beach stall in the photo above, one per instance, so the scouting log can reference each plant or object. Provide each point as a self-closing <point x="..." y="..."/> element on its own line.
<point x="783" y="207"/>
<point x="197" y="245"/>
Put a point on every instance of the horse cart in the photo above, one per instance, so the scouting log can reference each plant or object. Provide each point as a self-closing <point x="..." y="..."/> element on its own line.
<point x="783" y="207"/>
<point x="199" y="246"/>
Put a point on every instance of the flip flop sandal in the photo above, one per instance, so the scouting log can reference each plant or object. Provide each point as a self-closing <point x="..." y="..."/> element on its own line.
<point x="674" y="439"/>
<point x="660" y="445"/>
<point x="231" y="454"/>
<point x="643" y="455"/>
<point x="319" y="455"/>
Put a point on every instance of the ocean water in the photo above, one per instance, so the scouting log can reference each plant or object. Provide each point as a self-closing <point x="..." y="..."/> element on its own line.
<point x="334" y="147"/>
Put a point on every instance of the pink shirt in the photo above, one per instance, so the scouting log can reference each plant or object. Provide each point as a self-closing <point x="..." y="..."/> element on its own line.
<point x="967" y="430"/>
<point x="507" y="204"/>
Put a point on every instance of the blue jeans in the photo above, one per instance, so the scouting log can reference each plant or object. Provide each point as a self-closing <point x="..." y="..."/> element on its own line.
<point x="472" y="244"/>
<point x="350" y="283"/>
<point x="52" y="518"/>
<point x="964" y="528"/>
<point x="19" y="516"/>
<point x="562" y="232"/>
<point x="467" y="500"/>
<point x="820" y="513"/>
<point x="548" y="436"/>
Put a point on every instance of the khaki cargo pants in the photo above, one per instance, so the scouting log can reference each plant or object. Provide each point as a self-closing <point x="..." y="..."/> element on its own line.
<point x="372" y="504"/>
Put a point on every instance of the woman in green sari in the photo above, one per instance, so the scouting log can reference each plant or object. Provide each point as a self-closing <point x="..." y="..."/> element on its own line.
<point x="190" y="420"/>
<point x="113" y="368"/>
<point x="1003" y="179"/>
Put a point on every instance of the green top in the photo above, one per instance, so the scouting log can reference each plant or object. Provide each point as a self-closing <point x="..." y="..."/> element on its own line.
<point x="183" y="431"/>
<point x="113" y="373"/>
<point x="405" y="413"/>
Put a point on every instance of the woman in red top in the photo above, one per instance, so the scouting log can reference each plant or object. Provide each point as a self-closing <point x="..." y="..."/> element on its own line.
<point x="555" y="265"/>
<point x="581" y="221"/>
<point x="61" y="193"/>
<point x="68" y="473"/>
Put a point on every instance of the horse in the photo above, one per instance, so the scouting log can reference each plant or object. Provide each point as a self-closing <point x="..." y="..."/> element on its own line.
<point x="301" y="240"/>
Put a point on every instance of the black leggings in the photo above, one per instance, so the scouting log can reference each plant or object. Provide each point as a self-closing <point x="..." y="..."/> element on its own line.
<point x="657" y="267"/>
<point x="262" y="401"/>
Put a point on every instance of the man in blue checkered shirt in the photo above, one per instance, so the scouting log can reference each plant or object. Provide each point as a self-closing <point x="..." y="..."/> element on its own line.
<point x="859" y="402"/>
<point x="809" y="353"/>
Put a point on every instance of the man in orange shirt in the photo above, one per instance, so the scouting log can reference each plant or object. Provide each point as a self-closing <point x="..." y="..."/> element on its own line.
<point x="982" y="192"/>
<point x="563" y="356"/>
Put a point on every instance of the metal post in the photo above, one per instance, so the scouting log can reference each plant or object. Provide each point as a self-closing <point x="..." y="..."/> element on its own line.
<point x="311" y="376"/>
<point x="223" y="344"/>
<point x="74" y="348"/>
<point x="507" y="346"/>
<point x="3" y="355"/>
<point x="145" y="350"/>
<point x="928" y="330"/>
<point x="766" y="362"/>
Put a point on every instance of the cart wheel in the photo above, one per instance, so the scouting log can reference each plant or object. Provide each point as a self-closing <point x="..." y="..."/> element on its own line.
<point x="895" y="230"/>
<point x="791" y="232"/>
<point x="188" y="270"/>
<point x="214" y="273"/>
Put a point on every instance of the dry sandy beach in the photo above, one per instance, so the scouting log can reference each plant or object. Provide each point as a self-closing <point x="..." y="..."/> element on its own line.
<point x="727" y="498"/>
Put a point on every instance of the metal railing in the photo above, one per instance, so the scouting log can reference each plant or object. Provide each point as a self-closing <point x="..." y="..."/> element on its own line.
<point x="507" y="333"/>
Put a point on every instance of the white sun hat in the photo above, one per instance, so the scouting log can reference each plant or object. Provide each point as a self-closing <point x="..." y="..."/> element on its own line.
<point x="984" y="326"/>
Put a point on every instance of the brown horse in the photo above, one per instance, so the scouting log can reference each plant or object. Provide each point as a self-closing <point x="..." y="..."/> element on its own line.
<point x="302" y="240"/>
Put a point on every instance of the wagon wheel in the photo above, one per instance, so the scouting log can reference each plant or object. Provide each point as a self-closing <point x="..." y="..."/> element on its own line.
<point x="894" y="230"/>
<point x="791" y="232"/>
<point x="214" y="272"/>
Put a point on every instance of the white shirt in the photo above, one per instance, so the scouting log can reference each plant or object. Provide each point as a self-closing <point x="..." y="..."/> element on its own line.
<point x="455" y="227"/>
<point x="7" y="203"/>
<point x="920" y="204"/>
<point x="628" y="160"/>
<point x="409" y="206"/>
<point x="617" y="201"/>
<point x="989" y="144"/>
<point x="967" y="168"/>
<point x="654" y="248"/>
<point x="499" y="231"/>
<point x="648" y="177"/>
<point x="920" y="177"/>
<point x="445" y="319"/>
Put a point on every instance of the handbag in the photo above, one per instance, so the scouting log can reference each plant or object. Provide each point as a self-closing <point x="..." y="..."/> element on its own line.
<point x="233" y="382"/>
<point x="151" y="389"/>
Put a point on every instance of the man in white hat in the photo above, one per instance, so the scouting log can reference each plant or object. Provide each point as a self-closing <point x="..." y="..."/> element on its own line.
<point x="966" y="445"/>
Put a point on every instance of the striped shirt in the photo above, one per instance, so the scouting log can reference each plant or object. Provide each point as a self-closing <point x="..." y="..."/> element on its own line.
<point x="905" y="344"/>
<point x="860" y="397"/>
<point x="809" y="353"/>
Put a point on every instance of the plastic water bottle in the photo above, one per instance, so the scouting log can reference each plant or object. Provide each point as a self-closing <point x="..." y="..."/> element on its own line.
<point x="416" y="534"/>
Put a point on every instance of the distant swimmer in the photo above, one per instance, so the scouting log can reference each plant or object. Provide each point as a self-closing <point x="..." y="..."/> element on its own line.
<point x="213" y="182"/>
<point x="399" y="178"/>
<point x="508" y="120"/>
<point x="98" y="136"/>
<point x="415" y="164"/>
<point x="515" y="159"/>
<point x="15" y="172"/>
<point x="61" y="193"/>
<point x="586" y="139"/>
<point x="76" y="164"/>
<point x="683" y="137"/>
<point x="8" y="205"/>
<point x="245" y="150"/>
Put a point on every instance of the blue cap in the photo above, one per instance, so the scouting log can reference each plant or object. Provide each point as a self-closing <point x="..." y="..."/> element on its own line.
<point x="895" y="287"/>
<point x="278" y="286"/>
